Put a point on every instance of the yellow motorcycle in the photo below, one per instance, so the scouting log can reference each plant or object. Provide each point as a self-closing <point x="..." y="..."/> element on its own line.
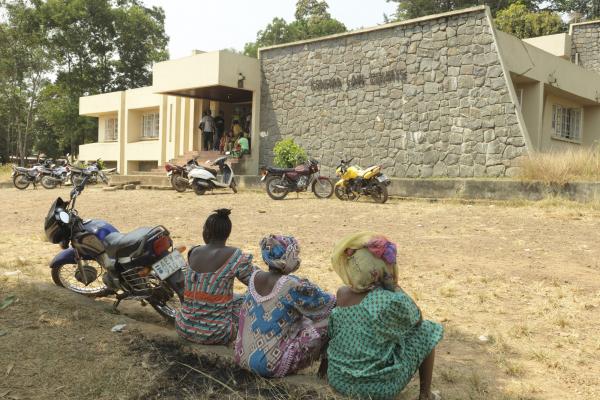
<point x="355" y="182"/>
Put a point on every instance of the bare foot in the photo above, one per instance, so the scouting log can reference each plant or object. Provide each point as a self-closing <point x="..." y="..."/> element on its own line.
<point x="434" y="395"/>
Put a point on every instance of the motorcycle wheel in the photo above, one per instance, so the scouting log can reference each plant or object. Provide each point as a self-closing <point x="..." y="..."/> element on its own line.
<point x="273" y="191"/>
<point x="48" y="182"/>
<point x="322" y="187"/>
<point x="179" y="184"/>
<point x="166" y="303"/>
<point x="21" y="182"/>
<point x="199" y="190"/>
<point x="233" y="186"/>
<point x="65" y="276"/>
<point x="379" y="193"/>
<point x="342" y="194"/>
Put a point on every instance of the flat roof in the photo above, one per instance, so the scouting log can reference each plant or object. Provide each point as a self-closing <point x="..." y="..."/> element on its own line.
<point x="377" y="28"/>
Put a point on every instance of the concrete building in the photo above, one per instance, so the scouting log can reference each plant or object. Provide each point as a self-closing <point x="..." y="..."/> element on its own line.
<point x="443" y="95"/>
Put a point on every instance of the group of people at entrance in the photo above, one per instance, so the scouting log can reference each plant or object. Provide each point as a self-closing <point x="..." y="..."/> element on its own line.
<point x="214" y="136"/>
<point x="370" y="337"/>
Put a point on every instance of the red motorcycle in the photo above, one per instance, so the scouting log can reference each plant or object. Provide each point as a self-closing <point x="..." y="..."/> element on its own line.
<point x="178" y="175"/>
<point x="281" y="181"/>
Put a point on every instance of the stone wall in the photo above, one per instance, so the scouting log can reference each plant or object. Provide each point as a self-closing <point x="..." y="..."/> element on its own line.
<point x="586" y="42"/>
<point x="423" y="99"/>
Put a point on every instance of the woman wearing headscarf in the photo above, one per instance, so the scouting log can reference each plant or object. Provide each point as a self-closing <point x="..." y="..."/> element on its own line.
<point x="283" y="320"/>
<point x="378" y="338"/>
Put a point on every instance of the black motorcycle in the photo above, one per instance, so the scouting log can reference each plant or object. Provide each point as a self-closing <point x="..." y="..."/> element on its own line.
<point x="281" y="181"/>
<point x="139" y="265"/>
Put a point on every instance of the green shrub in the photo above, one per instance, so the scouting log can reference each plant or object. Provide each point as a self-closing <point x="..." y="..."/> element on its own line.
<point x="288" y="154"/>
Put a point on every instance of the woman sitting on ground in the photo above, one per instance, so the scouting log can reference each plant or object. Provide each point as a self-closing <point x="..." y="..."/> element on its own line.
<point x="209" y="312"/>
<point x="378" y="338"/>
<point x="283" y="320"/>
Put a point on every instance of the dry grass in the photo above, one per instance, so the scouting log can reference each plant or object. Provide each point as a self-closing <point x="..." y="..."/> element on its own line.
<point x="523" y="277"/>
<point x="5" y="171"/>
<point x="560" y="168"/>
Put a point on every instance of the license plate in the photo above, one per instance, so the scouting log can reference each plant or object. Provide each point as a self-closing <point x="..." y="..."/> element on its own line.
<point x="169" y="265"/>
<point x="382" y="178"/>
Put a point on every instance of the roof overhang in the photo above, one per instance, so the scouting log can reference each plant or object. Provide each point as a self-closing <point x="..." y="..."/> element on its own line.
<point x="220" y="75"/>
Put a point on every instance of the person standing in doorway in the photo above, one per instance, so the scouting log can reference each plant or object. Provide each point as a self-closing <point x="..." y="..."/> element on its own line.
<point x="207" y="126"/>
<point x="219" y="129"/>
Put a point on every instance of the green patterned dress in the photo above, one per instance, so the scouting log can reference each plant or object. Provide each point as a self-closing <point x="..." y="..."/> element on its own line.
<point x="376" y="346"/>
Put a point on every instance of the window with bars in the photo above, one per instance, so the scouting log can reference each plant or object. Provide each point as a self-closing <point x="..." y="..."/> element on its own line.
<point x="111" y="130"/>
<point x="566" y="122"/>
<point x="150" y="125"/>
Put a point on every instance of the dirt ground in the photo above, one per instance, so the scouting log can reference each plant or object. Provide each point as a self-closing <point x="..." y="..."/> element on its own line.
<point x="516" y="287"/>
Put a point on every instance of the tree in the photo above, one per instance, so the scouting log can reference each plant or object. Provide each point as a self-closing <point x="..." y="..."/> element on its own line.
<point x="408" y="9"/>
<point x="519" y="21"/>
<point x="24" y="68"/>
<point x="584" y="9"/>
<point x="312" y="20"/>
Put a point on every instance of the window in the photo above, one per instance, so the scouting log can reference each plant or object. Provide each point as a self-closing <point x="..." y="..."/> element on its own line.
<point x="150" y="125"/>
<point x="111" y="130"/>
<point x="566" y="122"/>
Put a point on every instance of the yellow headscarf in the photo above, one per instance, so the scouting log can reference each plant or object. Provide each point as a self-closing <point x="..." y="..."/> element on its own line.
<point x="366" y="260"/>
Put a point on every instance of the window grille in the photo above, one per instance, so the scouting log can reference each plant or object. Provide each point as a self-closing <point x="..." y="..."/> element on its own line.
<point x="111" y="130"/>
<point x="150" y="125"/>
<point x="566" y="122"/>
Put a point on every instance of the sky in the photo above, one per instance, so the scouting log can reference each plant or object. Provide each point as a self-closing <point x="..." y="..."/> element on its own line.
<point x="214" y="25"/>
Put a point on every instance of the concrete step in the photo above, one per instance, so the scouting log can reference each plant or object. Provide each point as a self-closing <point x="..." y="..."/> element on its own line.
<point x="157" y="172"/>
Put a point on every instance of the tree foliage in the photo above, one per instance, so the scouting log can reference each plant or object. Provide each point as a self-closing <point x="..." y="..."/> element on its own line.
<point x="519" y="21"/>
<point x="408" y="9"/>
<point x="71" y="48"/>
<point x="312" y="20"/>
<point x="579" y="9"/>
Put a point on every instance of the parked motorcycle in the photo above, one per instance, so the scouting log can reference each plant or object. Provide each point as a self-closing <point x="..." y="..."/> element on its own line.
<point x="96" y="174"/>
<point x="178" y="175"/>
<point x="355" y="182"/>
<point x="280" y="181"/>
<point x="23" y="177"/>
<point x="205" y="178"/>
<point x="55" y="176"/>
<point x="99" y="261"/>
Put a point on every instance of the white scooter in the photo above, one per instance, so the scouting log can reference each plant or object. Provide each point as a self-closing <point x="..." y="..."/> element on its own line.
<point x="203" y="179"/>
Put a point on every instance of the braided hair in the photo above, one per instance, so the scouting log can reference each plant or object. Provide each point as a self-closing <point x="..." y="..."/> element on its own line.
<point x="217" y="226"/>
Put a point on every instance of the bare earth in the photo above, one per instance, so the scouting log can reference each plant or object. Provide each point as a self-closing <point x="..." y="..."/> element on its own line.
<point x="516" y="287"/>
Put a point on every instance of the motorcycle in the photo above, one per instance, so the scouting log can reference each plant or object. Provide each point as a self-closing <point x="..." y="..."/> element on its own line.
<point x="55" y="176"/>
<point x="23" y="177"/>
<point x="93" y="170"/>
<point x="280" y="181"/>
<point x="355" y="182"/>
<point x="178" y="175"/>
<point x="205" y="178"/>
<point x="98" y="261"/>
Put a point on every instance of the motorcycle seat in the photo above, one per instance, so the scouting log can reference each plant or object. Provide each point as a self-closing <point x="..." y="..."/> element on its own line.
<point x="212" y="171"/>
<point x="274" y="170"/>
<point x="121" y="245"/>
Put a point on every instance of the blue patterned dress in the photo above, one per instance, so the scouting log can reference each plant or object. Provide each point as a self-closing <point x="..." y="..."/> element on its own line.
<point x="284" y="331"/>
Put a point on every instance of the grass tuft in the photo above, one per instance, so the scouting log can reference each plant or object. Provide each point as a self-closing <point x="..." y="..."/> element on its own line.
<point x="560" y="168"/>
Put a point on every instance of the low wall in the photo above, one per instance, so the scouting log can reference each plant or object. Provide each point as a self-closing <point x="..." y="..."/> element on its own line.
<point x="474" y="189"/>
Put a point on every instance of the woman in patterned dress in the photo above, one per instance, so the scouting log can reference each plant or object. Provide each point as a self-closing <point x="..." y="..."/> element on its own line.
<point x="283" y="320"/>
<point x="378" y="338"/>
<point x="209" y="312"/>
